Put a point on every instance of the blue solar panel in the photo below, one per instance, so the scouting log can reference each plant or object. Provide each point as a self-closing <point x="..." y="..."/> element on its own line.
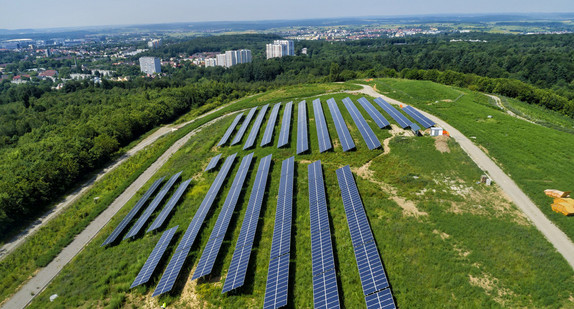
<point x="403" y="121"/>
<point x="302" y="139"/>
<point x="211" y="250"/>
<point x="418" y="116"/>
<point x="154" y="258"/>
<point x="277" y="283"/>
<point x="325" y="291"/>
<point x="243" y="127"/>
<point x="174" y="267"/>
<point x="255" y="129"/>
<point x="379" y="119"/>
<point x="368" y="135"/>
<point x="213" y="163"/>
<point x="321" y="124"/>
<point x="371" y="271"/>
<point x="278" y="275"/>
<point x="158" y="222"/>
<point x="239" y="261"/>
<point x="344" y="136"/>
<point x="285" y="125"/>
<point x="381" y="300"/>
<point x="133" y="212"/>
<point x="230" y="130"/>
<point x="415" y="128"/>
<point x="152" y="206"/>
<point x="270" y="125"/>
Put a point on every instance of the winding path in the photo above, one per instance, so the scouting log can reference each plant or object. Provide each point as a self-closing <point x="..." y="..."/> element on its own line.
<point x="555" y="235"/>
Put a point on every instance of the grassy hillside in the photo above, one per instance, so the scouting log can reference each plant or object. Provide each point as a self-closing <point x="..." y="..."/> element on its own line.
<point x="445" y="240"/>
<point x="536" y="156"/>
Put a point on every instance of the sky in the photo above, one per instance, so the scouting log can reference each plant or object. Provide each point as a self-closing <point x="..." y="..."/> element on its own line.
<point x="31" y="14"/>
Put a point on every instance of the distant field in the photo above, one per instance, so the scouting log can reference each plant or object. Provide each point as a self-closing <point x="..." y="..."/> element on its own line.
<point x="445" y="240"/>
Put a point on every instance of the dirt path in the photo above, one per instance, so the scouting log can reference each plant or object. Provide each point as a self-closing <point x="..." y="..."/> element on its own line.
<point x="556" y="236"/>
<point x="509" y="112"/>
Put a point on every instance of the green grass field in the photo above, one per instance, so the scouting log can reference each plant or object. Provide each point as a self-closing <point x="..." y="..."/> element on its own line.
<point x="466" y="247"/>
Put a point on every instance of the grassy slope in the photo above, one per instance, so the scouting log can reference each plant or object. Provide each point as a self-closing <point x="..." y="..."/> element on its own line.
<point x="535" y="156"/>
<point x="424" y="269"/>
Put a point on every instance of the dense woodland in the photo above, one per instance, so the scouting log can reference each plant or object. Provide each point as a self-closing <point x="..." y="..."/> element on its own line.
<point x="49" y="140"/>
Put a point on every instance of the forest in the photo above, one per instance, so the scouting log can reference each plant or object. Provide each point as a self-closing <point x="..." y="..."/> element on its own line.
<point x="51" y="139"/>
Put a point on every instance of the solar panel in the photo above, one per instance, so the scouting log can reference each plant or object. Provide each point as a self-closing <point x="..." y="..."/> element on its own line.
<point x="211" y="250"/>
<point x="278" y="274"/>
<point x="379" y="119"/>
<point x="158" y="222"/>
<point x="344" y="136"/>
<point x="133" y="212"/>
<point x="176" y="263"/>
<point x="368" y="135"/>
<point x="302" y="139"/>
<point x="321" y="124"/>
<point x="230" y="130"/>
<point x="239" y="261"/>
<point x="285" y="125"/>
<point x="154" y="258"/>
<point x="270" y="125"/>
<point x="382" y="299"/>
<point x="415" y="128"/>
<point x="371" y="271"/>
<point x="213" y="163"/>
<point x="418" y="116"/>
<point x="325" y="291"/>
<point x="403" y="121"/>
<point x="256" y="126"/>
<point x="243" y="128"/>
<point x="152" y="206"/>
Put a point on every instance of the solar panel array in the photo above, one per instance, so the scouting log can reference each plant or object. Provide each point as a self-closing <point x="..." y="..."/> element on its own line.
<point x="418" y="116"/>
<point x="133" y="212"/>
<point x="256" y="126"/>
<point x="174" y="267"/>
<point x="239" y="261"/>
<point x="379" y="119"/>
<point x="381" y="300"/>
<point x="321" y="124"/>
<point x="344" y="136"/>
<point x="285" y="125"/>
<point x="158" y="222"/>
<point x="213" y="163"/>
<point x="371" y="271"/>
<point x="152" y="206"/>
<point x="415" y="128"/>
<point x="213" y="245"/>
<point x="368" y="135"/>
<point x="302" y="139"/>
<point x="325" y="291"/>
<point x="403" y="121"/>
<point x="278" y="274"/>
<point x="243" y="128"/>
<point x="154" y="258"/>
<point x="230" y="130"/>
<point x="268" y="135"/>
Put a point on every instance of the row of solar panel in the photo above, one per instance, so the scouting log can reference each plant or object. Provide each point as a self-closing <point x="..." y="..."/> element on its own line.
<point x="323" y="137"/>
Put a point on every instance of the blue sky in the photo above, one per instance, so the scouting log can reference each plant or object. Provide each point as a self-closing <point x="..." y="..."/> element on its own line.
<point x="18" y="14"/>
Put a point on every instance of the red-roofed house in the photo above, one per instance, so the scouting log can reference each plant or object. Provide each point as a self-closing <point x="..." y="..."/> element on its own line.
<point x="51" y="74"/>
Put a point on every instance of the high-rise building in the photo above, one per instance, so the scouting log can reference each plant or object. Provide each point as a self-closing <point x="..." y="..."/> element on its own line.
<point x="210" y="62"/>
<point x="221" y="60"/>
<point x="230" y="58"/>
<point x="280" y="48"/>
<point x="154" y="43"/>
<point x="150" y="65"/>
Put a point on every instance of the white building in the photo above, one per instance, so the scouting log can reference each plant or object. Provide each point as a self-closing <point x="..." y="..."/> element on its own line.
<point x="232" y="57"/>
<point x="221" y="60"/>
<point x="150" y="65"/>
<point x="154" y="43"/>
<point x="280" y="48"/>
<point x="210" y="62"/>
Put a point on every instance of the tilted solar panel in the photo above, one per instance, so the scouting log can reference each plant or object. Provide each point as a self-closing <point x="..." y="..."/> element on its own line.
<point x="154" y="258"/>
<point x="277" y="283"/>
<point x="230" y="130"/>
<point x="302" y="138"/>
<point x="403" y="121"/>
<point x="158" y="222"/>
<point x="244" y="126"/>
<point x="268" y="135"/>
<point x="347" y="142"/>
<point x="379" y="119"/>
<point x="321" y="125"/>
<point x="255" y="129"/>
<point x="213" y="163"/>
<point x="418" y="116"/>
<point x="368" y="135"/>
<point x="285" y="125"/>
<point x="380" y="300"/>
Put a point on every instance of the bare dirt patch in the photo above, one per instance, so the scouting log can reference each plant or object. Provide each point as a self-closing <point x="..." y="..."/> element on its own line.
<point x="442" y="235"/>
<point x="441" y="143"/>
<point x="305" y="162"/>
<point x="491" y="287"/>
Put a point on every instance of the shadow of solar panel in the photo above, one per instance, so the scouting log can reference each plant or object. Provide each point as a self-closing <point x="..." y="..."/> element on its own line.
<point x="133" y="212"/>
<point x="227" y="134"/>
<point x="255" y="129"/>
<point x="158" y="222"/>
<point x="322" y="133"/>
<point x="213" y="163"/>
<point x="238" y="268"/>
<point x="379" y="119"/>
<point x="154" y="258"/>
<point x="418" y="116"/>
<point x="347" y="142"/>
<point x="152" y="206"/>
<point x="403" y="121"/>
<point x="285" y="125"/>
<point x="368" y="135"/>
<point x="302" y="134"/>
<point x="382" y="300"/>
<point x="244" y="126"/>
<point x="268" y="135"/>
